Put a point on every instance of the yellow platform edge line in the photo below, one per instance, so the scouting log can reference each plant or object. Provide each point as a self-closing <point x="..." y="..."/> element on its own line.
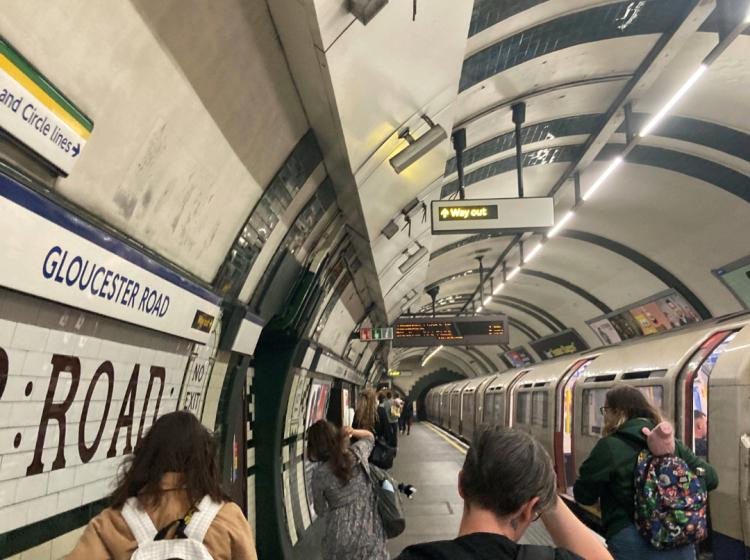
<point x="445" y="437"/>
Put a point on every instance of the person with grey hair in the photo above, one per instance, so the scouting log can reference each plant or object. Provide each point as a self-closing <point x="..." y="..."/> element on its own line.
<point x="508" y="482"/>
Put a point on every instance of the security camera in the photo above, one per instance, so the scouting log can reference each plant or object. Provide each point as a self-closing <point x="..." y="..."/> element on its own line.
<point x="365" y="10"/>
<point x="417" y="148"/>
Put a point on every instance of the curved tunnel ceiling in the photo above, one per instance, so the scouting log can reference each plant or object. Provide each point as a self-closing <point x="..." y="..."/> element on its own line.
<point x="665" y="219"/>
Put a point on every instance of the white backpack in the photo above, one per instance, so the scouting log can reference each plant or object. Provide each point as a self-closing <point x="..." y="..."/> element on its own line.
<point x="190" y="548"/>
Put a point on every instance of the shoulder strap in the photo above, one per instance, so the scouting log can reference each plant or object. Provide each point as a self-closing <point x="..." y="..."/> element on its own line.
<point x="201" y="520"/>
<point x="138" y="521"/>
<point x="535" y="552"/>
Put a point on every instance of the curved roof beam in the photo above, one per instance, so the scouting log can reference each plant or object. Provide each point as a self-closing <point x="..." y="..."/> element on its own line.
<point x="587" y="26"/>
<point x="544" y="317"/>
<point x="644" y="262"/>
<point x="713" y="173"/>
<point x="588" y="296"/>
<point x="694" y="131"/>
<point x="575" y="288"/>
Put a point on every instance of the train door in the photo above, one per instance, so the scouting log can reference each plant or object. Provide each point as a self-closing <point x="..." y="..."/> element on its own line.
<point x="694" y="380"/>
<point x="564" y="445"/>
<point x="510" y="398"/>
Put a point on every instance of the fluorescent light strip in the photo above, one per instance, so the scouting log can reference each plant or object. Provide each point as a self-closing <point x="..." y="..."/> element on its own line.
<point x="499" y="287"/>
<point x="514" y="272"/>
<point x="487" y="300"/>
<point x="534" y="252"/>
<point x="431" y="354"/>
<point x="672" y="102"/>
<point x="481" y="307"/>
<point x="603" y="177"/>
<point x="561" y="224"/>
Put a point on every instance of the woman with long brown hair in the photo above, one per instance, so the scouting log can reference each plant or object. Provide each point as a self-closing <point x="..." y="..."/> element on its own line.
<point x="169" y="486"/>
<point x="607" y="475"/>
<point x="343" y="494"/>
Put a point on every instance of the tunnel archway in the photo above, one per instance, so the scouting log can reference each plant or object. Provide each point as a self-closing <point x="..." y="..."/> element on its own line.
<point x="427" y="382"/>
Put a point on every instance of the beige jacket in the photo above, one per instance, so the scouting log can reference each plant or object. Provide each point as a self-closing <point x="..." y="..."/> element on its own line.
<point x="107" y="536"/>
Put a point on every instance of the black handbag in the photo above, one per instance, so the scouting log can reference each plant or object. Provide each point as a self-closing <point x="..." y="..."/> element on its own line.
<point x="382" y="454"/>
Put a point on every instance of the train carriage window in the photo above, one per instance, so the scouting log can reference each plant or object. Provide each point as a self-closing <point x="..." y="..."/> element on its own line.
<point x="654" y="394"/>
<point x="499" y="408"/>
<point x="592" y="419"/>
<point x="540" y="409"/>
<point x="523" y="408"/>
<point x="594" y="399"/>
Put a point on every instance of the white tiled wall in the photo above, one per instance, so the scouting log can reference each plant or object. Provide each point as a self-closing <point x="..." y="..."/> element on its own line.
<point x="31" y="332"/>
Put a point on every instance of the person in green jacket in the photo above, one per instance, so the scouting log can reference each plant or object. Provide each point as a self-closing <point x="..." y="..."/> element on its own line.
<point x="607" y="475"/>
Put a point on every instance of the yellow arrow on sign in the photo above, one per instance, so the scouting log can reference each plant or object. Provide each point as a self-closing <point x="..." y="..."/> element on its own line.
<point x="444" y="212"/>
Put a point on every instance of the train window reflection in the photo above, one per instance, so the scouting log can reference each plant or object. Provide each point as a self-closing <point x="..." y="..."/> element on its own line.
<point x="523" y="410"/>
<point x="654" y="394"/>
<point x="540" y="408"/>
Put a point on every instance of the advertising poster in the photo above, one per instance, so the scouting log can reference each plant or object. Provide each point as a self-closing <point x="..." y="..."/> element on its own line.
<point x="651" y="319"/>
<point x="519" y="357"/>
<point x="662" y="312"/>
<point x="559" y="344"/>
<point x="736" y="277"/>
<point x="678" y="311"/>
<point x="605" y="331"/>
<point x="625" y="325"/>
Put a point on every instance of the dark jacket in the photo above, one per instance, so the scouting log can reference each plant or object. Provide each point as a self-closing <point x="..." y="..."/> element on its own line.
<point x="608" y="473"/>
<point x="481" y="546"/>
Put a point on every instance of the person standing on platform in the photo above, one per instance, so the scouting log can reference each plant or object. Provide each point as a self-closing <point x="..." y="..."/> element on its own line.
<point x="391" y="407"/>
<point x="343" y="494"/>
<point x="608" y="475"/>
<point x="372" y="417"/>
<point x="407" y="414"/>
<point x="508" y="482"/>
<point x="170" y="486"/>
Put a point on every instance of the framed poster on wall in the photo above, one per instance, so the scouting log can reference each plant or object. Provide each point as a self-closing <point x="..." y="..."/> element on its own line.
<point x="736" y="277"/>
<point x="661" y="312"/>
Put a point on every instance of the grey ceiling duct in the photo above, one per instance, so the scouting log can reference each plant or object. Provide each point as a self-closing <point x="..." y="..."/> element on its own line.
<point x="365" y="10"/>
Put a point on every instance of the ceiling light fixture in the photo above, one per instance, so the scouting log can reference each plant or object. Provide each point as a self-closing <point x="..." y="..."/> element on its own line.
<point x="561" y="224"/>
<point x="672" y="102"/>
<point x="417" y="148"/>
<point x="614" y="164"/>
<point x="534" y="252"/>
<point x="431" y="354"/>
<point x="514" y="272"/>
<point x="481" y="308"/>
<point x="487" y="300"/>
<point x="498" y="288"/>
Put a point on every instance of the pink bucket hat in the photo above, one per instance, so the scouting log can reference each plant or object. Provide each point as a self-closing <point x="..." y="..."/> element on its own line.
<point x="661" y="439"/>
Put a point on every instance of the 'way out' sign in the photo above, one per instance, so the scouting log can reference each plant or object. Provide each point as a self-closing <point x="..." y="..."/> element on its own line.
<point x="492" y="214"/>
<point x="36" y="113"/>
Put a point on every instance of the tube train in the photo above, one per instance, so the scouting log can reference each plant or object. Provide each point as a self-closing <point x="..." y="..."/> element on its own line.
<point x="703" y="369"/>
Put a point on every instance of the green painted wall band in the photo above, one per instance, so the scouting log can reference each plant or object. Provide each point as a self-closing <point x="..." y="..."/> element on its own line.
<point x="38" y="78"/>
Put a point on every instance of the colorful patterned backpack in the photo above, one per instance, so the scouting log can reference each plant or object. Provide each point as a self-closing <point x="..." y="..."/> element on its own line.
<point x="670" y="501"/>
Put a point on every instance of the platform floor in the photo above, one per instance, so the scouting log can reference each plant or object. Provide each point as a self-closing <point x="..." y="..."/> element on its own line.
<point x="430" y="461"/>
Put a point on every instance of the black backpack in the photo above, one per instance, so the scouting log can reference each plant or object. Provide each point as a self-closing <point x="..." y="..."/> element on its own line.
<point x="388" y="500"/>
